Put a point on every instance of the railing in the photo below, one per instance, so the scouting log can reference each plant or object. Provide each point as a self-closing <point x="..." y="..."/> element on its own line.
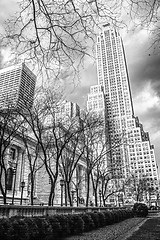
<point x="7" y="211"/>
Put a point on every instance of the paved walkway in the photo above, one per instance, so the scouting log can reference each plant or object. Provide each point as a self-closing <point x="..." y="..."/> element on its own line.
<point x="152" y="215"/>
<point x="119" y="231"/>
<point x="150" y="230"/>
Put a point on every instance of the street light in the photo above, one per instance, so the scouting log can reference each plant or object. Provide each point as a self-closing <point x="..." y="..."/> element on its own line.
<point x="77" y="192"/>
<point x="22" y="186"/>
<point x="61" y="184"/>
<point x="72" y="193"/>
<point x="100" y="197"/>
<point x="13" y="166"/>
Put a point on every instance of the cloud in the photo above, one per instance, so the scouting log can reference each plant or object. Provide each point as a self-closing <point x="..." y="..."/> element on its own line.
<point x="143" y="64"/>
<point x="147" y="108"/>
<point x="8" y="8"/>
<point x="1" y="60"/>
<point x="88" y="78"/>
<point x="147" y="99"/>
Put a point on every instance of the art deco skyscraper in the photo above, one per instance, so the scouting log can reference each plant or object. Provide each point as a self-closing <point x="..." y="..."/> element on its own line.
<point x="113" y="76"/>
<point x="17" y="85"/>
<point x="131" y="151"/>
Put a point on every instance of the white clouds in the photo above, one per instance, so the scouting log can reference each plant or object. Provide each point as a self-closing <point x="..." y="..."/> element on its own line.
<point x="135" y="38"/>
<point x="8" y="8"/>
<point x="6" y="54"/>
<point x="146" y="99"/>
<point x="147" y="108"/>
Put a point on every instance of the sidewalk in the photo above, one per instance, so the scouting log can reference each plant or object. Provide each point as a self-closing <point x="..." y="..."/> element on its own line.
<point x="148" y="230"/>
<point x="130" y="229"/>
<point x="117" y="231"/>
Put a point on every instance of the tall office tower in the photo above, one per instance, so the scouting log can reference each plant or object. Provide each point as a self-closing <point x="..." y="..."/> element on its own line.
<point x="95" y="101"/>
<point x="67" y="109"/>
<point x="17" y="85"/>
<point x="96" y="104"/>
<point x="131" y="151"/>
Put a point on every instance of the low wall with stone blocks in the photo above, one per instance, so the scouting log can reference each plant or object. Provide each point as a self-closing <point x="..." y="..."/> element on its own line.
<point x="7" y="211"/>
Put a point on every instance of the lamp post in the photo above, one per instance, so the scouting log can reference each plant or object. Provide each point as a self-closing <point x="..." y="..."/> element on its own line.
<point x="77" y="192"/>
<point x="72" y="193"/>
<point x="14" y="167"/>
<point x="22" y="187"/>
<point x="100" y="197"/>
<point x="61" y="184"/>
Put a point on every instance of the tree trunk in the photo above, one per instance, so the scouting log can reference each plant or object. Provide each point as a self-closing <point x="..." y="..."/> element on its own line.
<point x="69" y="194"/>
<point x="4" y="193"/>
<point x="96" y="198"/>
<point x="103" y="199"/>
<point x="65" y="194"/>
<point x="32" y="189"/>
<point x="88" y="186"/>
<point x="51" y="195"/>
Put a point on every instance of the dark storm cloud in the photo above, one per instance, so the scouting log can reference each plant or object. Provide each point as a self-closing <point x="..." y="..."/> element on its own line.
<point x="143" y="64"/>
<point x="149" y="70"/>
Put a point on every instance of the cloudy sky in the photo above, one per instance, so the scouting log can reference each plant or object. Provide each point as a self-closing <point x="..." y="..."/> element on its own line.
<point x="144" y="73"/>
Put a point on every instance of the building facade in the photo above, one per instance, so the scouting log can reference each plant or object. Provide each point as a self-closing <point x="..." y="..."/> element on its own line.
<point x="17" y="167"/>
<point x="17" y="86"/>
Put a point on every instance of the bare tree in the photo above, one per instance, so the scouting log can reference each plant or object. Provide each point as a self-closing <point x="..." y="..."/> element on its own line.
<point x="71" y="157"/>
<point x="53" y="135"/>
<point x="60" y="32"/>
<point x="10" y="124"/>
<point x="138" y="186"/>
<point x="92" y="126"/>
<point x="33" y="157"/>
<point x="111" y="185"/>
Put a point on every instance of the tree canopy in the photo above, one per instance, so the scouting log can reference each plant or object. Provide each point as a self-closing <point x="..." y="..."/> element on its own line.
<point x="57" y="35"/>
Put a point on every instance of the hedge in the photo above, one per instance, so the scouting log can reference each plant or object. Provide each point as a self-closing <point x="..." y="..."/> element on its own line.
<point x="59" y="225"/>
<point x="140" y="210"/>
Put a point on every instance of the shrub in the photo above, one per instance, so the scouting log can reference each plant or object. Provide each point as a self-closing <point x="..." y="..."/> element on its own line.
<point x="64" y="223"/>
<point x="95" y="218"/>
<point x="129" y="213"/>
<point x="102" y="219"/>
<point x="41" y="226"/>
<point x="6" y="229"/>
<point x="56" y="226"/>
<point x="20" y="229"/>
<point x="44" y="227"/>
<point x="140" y="210"/>
<point x="59" y="226"/>
<point x="76" y="223"/>
<point x="122" y="214"/>
<point x="32" y="228"/>
<point x="88" y="222"/>
<point x="108" y="217"/>
<point x="116" y="216"/>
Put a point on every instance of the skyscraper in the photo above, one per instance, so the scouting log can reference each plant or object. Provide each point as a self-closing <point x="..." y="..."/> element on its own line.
<point x="17" y="85"/>
<point x="131" y="151"/>
<point x="67" y="109"/>
<point x="113" y="76"/>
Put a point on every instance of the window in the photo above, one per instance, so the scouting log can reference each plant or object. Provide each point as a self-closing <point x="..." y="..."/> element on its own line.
<point x="13" y="153"/>
<point x="9" y="178"/>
